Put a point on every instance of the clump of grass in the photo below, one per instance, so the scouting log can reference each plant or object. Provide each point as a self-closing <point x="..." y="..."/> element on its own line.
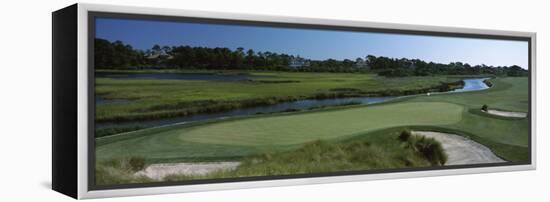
<point x="136" y="163"/>
<point x="120" y="171"/>
<point x="484" y="108"/>
<point x="404" y="135"/>
<point x="429" y="148"/>
<point x="432" y="150"/>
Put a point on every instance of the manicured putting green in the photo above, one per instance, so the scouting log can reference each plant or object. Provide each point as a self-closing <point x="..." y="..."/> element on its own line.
<point x="300" y="128"/>
<point x="248" y="136"/>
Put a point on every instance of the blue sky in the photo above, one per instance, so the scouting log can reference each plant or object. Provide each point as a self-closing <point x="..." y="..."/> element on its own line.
<point x="314" y="44"/>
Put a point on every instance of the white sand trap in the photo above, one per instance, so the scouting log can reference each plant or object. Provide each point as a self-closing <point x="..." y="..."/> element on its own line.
<point x="159" y="171"/>
<point x="461" y="150"/>
<point x="506" y="113"/>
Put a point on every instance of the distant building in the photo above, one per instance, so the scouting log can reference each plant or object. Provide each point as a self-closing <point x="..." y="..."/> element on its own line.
<point x="160" y="55"/>
<point x="157" y="59"/>
<point x="411" y="66"/>
<point x="297" y="62"/>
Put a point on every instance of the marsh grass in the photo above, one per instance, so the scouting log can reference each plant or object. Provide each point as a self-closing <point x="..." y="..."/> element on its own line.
<point x="157" y="99"/>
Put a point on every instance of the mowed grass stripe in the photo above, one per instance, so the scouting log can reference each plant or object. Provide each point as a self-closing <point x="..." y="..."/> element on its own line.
<point x="300" y="128"/>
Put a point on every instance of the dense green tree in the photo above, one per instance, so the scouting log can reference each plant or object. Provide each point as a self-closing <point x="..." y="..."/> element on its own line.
<point x="117" y="55"/>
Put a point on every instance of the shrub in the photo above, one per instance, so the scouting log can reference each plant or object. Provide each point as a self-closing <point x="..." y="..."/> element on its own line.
<point x="488" y="83"/>
<point x="405" y="135"/>
<point x="484" y="108"/>
<point x="431" y="149"/>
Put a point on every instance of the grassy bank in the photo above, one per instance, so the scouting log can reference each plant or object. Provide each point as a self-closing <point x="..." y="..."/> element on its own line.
<point x="313" y="157"/>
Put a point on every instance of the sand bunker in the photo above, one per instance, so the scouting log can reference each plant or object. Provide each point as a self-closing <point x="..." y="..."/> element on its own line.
<point x="159" y="171"/>
<point x="461" y="150"/>
<point x="506" y="113"/>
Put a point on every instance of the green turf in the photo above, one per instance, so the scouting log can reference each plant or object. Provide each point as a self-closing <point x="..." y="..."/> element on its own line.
<point x="306" y="127"/>
<point x="247" y="136"/>
<point x="236" y="138"/>
<point x="509" y="94"/>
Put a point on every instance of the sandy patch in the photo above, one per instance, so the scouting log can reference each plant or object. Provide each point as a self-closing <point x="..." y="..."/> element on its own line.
<point x="159" y="171"/>
<point x="506" y="113"/>
<point x="461" y="150"/>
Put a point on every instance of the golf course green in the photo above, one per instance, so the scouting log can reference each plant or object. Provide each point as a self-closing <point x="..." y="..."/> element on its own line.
<point x="239" y="137"/>
<point x="306" y="127"/>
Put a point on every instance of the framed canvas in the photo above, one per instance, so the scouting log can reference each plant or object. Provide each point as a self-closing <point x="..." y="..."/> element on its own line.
<point x="152" y="101"/>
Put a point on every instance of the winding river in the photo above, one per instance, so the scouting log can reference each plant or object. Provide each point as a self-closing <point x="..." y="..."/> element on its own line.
<point x="472" y="84"/>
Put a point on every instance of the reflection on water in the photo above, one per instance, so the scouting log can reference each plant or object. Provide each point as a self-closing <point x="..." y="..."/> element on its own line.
<point x="472" y="85"/>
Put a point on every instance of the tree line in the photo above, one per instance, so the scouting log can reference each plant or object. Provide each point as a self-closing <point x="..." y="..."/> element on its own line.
<point x="118" y="55"/>
<point x="393" y="67"/>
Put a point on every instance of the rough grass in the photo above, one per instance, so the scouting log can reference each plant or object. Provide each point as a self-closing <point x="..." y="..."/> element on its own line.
<point x="119" y="171"/>
<point x="314" y="157"/>
<point x="431" y="149"/>
<point x="322" y="157"/>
